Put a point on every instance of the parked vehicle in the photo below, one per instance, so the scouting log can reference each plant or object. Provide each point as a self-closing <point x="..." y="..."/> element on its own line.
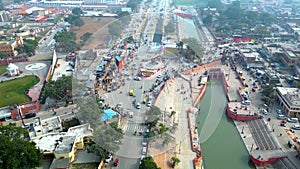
<point x="246" y="102"/>
<point x="137" y="78"/>
<point x="281" y="117"/>
<point x="264" y="111"/>
<point x="278" y="111"/>
<point x="108" y="158"/>
<point x="296" y="127"/>
<point x="144" y="150"/>
<point x="116" y="162"/>
<point x="292" y="120"/>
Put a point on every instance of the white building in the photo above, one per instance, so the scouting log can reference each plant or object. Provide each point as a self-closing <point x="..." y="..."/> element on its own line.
<point x="12" y="69"/>
<point x="289" y="101"/>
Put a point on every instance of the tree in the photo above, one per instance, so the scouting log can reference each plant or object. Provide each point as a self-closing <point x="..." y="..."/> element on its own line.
<point x="193" y="47"/>
<point x="108" y="138"/>
<point x="78" y="22"/>
<point x="170" y="28"/>
<point x="262" y="30"/>
<point x="2" y="55"/>
<point x="66" y="40"/>
<point x="15" y="151"/>
<point x="148" y="163"/>
<point x="77" y="11"/>
<point x="60" y="89"/>
<point x="154" y="110"/>
<point x="86" y="36"/>
<point x="175" y="161"/>
<point x="71" y="18"/>
<point x="162" y="129"/>
<point x="208" y="19"/>
<point x="30" y="46"/>
<point x="115" y="28"/>
<point x="215" y="4"/>
<point x="167" y="139"/>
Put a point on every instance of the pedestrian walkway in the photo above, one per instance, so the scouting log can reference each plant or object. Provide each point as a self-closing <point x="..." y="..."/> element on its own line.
<point x="132" y="126"/>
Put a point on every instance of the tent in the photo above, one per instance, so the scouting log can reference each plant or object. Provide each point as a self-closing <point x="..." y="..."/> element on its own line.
<point x="108" y="114"/>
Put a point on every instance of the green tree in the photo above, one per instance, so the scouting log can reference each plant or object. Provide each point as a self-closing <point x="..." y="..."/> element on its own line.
<point x="89" y="111"/>
<point x="78" y="22"/>
<point x="71" y="18"/>
<point x="15" y="151"/>
<point x="2" y="55"/>
<point x="266" y="18"/>
<point x="86" y="36"/>
<point x="193" y="47"/>
<point x="215" y="4"/>
<point x="262" y="31"/>
<point x="167" y="139"/>
<point x="154" y="110"/>
<point x="133" y="4"/>
<point x="170" y="28"/>
<point x="30" y="46"/>
<point x="66" y="40"/>
<point x="207" y="19"/>
<point x="175" y="161"/>
<point x="148" y="163"/>
<point x="108" y="138"/>
<point x="162" y="129"/>
<point x="77" y="11"/>
<point x="61" y="89"/>
<point x="115" y="28"/>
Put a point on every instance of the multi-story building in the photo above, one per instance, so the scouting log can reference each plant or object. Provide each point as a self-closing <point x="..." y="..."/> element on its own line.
<point x="289" y="101"/>
<point x="5" y="16"/>
<point x="287" y="56"/>
<point x="8" y="47"/>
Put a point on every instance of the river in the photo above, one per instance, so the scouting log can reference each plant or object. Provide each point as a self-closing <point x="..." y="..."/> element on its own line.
<point x="221" y="144"/>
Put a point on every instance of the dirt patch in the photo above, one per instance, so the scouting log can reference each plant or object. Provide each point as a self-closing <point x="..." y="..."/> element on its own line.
<point x="162" y="155"/>
<point x="97" y="26"/>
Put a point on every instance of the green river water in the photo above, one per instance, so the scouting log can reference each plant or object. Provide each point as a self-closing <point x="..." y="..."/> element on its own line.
<point x="224" y="148"/>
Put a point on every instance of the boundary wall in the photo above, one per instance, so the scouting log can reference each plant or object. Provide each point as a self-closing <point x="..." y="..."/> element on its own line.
<point x="8" y="61"/>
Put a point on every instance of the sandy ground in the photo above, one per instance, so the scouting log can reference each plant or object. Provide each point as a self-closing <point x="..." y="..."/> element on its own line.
<point x="97" y="26"/>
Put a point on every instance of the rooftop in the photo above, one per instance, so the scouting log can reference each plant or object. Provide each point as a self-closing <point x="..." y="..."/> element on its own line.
<point x="291" y="94"/>
<point x="65" y="144"/>
<point x="62" y="142"/>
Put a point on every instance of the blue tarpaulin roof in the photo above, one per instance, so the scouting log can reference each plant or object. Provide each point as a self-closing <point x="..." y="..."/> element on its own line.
<point x="108" y="114"/>
<point x="103" y="63"/>
<point x="118" y="58"/>
<point x="99" y="69"/>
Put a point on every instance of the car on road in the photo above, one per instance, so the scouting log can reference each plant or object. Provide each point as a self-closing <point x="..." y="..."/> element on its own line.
<point x="108" y="158"/>
<point x="138" y="105"/>
<point x="119" y="105"/>
<point x="264" y="111"/>
<point x="137" y="78"/>
<point x="296" y="127"/>
<point x="278" y="111"/>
